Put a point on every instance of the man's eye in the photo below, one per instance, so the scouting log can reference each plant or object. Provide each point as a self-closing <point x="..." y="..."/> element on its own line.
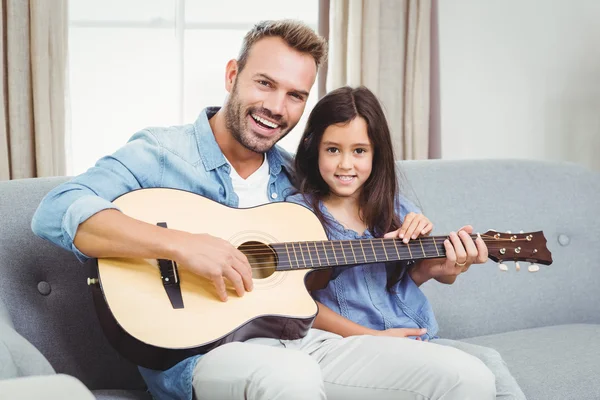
<point x="264" y="83"/>
<point x="297" y="96"/>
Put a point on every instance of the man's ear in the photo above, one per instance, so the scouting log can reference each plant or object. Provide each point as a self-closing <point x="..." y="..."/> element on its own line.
<point x="231" y="71"/>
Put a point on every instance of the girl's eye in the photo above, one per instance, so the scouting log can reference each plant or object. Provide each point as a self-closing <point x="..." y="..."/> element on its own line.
<point x="332" y="150"/>
<point x="361" y="151"/>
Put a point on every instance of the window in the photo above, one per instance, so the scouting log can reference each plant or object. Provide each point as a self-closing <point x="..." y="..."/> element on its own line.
<point x="140" y="63"/>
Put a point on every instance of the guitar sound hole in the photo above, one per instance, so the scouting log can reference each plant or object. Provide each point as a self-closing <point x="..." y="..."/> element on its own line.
<point x="262" y="258"/>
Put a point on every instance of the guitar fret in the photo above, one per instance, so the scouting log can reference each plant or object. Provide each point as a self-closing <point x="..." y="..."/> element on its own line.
<point x="363" y="250"/>
<point x="396" y="247"/>
<point x="317" y="251"/>
<point x="312" y="264"/>
<point x="374" y="252"/>
<point x="296" y="255"/>
<point x="409" y="251"/>
<point x="343" y="252"/>
<point x="325" y="251"/>
<point x="384" y="250"/>
<point x="352" y="248"/>
<point x="288" y="254"/>
<point x="392" y="250"/>
<point x="421" y="243"/>
<point x="435" y="245"/>
<point x="334" y="255"/>
<point x="302" y="254"/>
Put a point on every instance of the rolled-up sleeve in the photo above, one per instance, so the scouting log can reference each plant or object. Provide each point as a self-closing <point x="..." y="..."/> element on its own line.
<point x="137" y="164"/>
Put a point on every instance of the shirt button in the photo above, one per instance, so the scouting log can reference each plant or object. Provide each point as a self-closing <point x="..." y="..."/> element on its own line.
<point x="273" y="195"/>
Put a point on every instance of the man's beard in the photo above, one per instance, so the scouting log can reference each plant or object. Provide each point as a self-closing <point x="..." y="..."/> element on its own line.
<point x="235" y="120"/>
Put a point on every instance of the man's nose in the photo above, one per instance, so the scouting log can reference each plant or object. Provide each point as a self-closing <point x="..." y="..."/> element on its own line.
<point x="275" y="103"/>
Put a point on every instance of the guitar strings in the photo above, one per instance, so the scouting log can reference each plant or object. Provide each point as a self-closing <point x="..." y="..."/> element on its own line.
<point x="389" y="241"/>
<point x="379" y="258"/>
<point x="306" y="266"/>
<point x="326" y="252"/>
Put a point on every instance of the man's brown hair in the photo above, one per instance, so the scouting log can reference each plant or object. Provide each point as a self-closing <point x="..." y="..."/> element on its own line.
<point x="296" y="34"/>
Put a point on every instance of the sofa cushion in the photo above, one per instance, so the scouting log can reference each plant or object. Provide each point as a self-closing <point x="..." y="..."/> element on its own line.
<point x="551" y="363"/>
<point x="52" y="387"/>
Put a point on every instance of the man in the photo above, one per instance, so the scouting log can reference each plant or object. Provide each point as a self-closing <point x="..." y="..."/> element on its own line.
<point x="217" y="157"/>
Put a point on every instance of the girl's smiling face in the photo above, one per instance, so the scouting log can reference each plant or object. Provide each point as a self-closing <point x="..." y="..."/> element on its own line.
<point x="346" y="158"/>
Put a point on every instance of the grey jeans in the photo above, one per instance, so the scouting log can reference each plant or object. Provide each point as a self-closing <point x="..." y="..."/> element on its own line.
<point x="324" y="365"/>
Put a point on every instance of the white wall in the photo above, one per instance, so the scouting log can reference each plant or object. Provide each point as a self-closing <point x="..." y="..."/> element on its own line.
<point x="520" y="79"/>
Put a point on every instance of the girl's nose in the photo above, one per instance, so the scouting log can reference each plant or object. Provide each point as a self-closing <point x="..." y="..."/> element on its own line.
<point x="345" y="163"/>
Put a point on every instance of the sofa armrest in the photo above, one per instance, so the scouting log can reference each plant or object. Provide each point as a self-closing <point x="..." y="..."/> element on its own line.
<point x="18" y="357"/>
<point x="49" y="387"/>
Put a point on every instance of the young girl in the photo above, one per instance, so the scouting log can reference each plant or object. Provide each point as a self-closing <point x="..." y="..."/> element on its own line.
<point x="345" y="173"/>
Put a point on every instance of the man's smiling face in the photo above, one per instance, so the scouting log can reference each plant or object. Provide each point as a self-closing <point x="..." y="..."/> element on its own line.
<point x="267" y="98"/>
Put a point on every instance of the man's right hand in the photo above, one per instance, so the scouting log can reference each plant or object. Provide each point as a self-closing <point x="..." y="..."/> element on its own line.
<point x="110" y="233"/>
<point x="215" y="259"/>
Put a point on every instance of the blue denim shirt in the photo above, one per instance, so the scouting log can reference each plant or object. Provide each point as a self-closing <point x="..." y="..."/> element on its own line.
<point x="359" y="293"/>
<point x="181" y="157"/>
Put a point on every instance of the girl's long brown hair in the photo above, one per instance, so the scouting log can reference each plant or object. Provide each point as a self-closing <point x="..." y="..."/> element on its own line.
<point x="379" y="193"/>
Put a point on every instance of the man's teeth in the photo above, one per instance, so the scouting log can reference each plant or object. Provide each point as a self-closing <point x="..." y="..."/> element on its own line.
<point x="264" y="121"/>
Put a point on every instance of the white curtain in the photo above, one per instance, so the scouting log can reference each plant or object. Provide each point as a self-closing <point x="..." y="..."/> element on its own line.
<point x="386" y="46"/>
<point x="34" y="58"/>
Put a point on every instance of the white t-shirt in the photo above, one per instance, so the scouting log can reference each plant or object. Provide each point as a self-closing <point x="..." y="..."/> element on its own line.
<point x="251" y="191"/>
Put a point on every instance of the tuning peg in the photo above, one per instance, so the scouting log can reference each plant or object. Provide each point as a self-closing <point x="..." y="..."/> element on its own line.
<point x="517" y="266"/>
<point x="503" y="267"/>
<point x="533" y="268"/>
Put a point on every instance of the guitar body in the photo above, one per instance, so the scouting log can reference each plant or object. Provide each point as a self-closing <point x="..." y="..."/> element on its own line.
<point x="135" y="311"/>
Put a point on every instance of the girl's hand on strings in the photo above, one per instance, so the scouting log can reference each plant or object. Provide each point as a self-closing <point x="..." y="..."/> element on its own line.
<point x="413" y="226"/>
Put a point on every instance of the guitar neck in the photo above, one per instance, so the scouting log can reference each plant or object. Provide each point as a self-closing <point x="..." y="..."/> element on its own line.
<point x="333" y="253"/>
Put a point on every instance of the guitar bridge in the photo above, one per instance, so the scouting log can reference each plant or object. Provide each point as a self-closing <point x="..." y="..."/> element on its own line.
<point x="170" y="278"/>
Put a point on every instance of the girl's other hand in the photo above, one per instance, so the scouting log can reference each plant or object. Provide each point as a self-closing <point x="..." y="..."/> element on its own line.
<point x="403" y="332"/>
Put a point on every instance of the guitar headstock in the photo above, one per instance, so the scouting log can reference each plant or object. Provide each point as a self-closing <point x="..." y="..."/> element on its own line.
<point x="530" y="247"/>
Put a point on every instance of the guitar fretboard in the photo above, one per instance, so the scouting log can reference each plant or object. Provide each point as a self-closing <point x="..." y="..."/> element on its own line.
<point x="303" y="255"/>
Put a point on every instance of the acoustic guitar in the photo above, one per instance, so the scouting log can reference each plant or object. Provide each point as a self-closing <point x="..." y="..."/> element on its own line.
<point x="157" y="313"/>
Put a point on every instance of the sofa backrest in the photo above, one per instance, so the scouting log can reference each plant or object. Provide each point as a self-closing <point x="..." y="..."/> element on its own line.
<point x="561" y="199"/>
<point x="46" y="293"/>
